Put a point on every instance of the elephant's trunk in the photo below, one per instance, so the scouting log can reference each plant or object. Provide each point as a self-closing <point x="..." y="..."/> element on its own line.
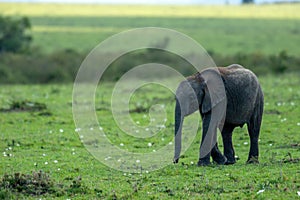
<point x="178" y="131"/>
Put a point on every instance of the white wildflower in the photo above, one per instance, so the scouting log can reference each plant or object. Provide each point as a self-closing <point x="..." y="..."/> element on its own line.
<point x="55" y="161"/>
<point x="77" y="129"/>
<point x="245" y="143"/>
<point x="137" y="161"/>
<point x="260" y="191"/>
<point x="149" y="144"/>
<point x="283" y="120"/>
<point x="107" y="158"/>
<point x="61" y="130"/>
<point x="121" y="144"/>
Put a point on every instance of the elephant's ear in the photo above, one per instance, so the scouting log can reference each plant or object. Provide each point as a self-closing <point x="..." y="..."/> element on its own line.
<point x="214" y="91"/>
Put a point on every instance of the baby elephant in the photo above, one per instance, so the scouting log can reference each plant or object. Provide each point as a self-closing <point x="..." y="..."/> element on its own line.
<point x="226" y="97"/>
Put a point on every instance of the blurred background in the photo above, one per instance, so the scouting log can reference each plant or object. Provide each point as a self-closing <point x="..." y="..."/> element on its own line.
<point x="45" y="41"/>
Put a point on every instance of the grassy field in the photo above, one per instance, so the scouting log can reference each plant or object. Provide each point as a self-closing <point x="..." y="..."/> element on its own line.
<point x="42" y="156"/>
<point x="266" y="29"/>
<point x="46" y="140"/>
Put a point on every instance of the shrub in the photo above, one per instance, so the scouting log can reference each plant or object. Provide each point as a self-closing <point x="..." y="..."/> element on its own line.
<point x="62" y="66"/>
<point x="13" y="36"/>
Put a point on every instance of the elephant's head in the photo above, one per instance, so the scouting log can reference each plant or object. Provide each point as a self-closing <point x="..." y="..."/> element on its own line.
<point x="201" y="91"/>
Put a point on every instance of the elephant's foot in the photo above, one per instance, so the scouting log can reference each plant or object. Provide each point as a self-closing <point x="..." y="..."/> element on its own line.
<point x="253" y="160"/>
<point x="203" y="162"/>
<point x="230" y="161"/>
<point x="220" y="159"/>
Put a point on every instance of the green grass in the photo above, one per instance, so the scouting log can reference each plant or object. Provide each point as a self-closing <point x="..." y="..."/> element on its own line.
<point x="227" y="30"/>
<point x="48" y="142"/>
<point x="39" y="139"/>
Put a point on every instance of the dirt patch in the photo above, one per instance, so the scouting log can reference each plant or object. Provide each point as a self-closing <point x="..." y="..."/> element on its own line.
<point x="39" y="183"/>
<point x="23" y="106"/>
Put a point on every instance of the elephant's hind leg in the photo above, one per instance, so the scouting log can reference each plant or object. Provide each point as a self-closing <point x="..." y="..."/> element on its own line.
<point x="227" y="142"/>
<point x="218" y="156"/>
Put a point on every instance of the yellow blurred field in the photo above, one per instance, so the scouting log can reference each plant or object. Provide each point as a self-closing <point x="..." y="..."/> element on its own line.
<point x="287" y="11"/>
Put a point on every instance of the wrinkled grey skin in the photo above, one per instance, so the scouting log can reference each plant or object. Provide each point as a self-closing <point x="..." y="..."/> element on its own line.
<point x="243" y="99"/>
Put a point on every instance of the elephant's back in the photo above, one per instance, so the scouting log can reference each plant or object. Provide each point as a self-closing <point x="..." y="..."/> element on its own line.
<point x="242" y="88"/>
<point x="235" y="76"/>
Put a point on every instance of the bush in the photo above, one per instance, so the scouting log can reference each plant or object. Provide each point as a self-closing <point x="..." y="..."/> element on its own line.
<point x="62" y="66"/>
<point x="262" y="64"/>
<point x="13" y="37"/>
<point x="58" y="67"/>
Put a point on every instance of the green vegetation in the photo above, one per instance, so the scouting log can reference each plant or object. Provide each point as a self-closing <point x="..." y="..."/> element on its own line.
<point x="263" y="38"/>
<point x="62" y="66"/>
<point x="32" y="142"/>
<point x="41" y="151"/>
<point x="268" y="29"/>
<point x="13" y="37"/>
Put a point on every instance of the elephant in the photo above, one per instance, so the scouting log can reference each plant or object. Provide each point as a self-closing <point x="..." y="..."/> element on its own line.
<point x="226" y="97"/>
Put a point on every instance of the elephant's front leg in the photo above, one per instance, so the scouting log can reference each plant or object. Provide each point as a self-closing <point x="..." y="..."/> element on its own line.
<point x="209" y="139"/>
<point x="227" y="142"/>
